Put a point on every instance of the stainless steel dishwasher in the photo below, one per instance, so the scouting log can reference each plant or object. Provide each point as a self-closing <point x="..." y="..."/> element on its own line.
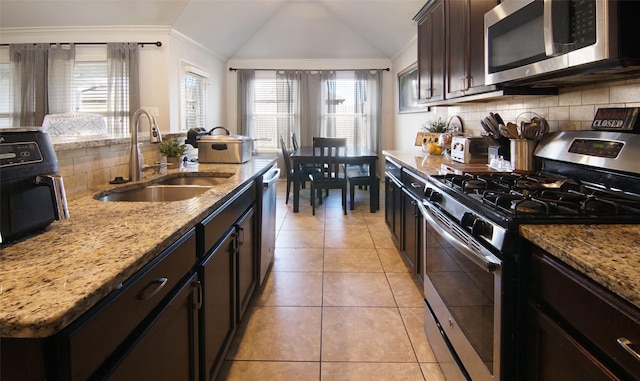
<point x="269" y="181"/>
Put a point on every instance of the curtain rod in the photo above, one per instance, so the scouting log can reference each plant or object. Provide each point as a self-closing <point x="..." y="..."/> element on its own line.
<point x="236" y="69"/>
<point x="157" y="43"/>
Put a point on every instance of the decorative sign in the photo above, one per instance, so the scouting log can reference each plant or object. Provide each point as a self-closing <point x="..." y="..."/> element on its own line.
<point x="616" y="119"/>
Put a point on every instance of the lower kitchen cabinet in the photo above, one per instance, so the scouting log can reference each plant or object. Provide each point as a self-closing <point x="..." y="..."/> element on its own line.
<point x="167" y="348"/>
<point x="247" y="260"/>
<point x="576" y="329"/>
<point x="393" y="201"/>
<point x="229" y="275"/>
<point x="217" y="315"/>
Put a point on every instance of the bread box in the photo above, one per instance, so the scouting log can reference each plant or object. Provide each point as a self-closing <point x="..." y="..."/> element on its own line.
<point x="224" y="148"/>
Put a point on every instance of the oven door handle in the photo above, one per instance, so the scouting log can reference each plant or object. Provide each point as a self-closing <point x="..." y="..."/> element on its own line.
<point x="479" y="255"/>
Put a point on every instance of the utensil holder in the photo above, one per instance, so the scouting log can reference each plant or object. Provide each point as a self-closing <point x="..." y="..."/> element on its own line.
<point x="522" y="157"/>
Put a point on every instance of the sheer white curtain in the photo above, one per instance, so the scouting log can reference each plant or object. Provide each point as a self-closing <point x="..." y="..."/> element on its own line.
<point x="246" y="102"/>
<point x="29" y="63"/>
<point x="123" y="89"/>
<point x="60" y="78"/>
<point x="368" y="106"/>
<point x="288" y="103"/>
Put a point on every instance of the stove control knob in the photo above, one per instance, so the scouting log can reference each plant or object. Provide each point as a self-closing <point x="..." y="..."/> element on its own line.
<point x="482" y="229"/>
<point x="434" y="196"/>
<point x="468" y="220"/>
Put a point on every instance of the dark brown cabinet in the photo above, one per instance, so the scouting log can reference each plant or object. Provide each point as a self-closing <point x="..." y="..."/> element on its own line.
<point x="411" y="230"/>
<point x="393" y="201"/>
<point x="465" y="47"/>
<point x="576" y="329"/>
<point x="228" y="272"/>
<point x="247" y="260"/>
<point x="431" y="52"/>
<point x="167" y="348"/>
<point x="217" y="315"/>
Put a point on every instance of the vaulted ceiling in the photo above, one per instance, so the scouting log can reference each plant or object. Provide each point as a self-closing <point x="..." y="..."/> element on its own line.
<point x="245" y="29"/>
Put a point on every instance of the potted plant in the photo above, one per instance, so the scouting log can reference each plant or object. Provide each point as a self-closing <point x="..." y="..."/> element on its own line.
<point x="173" y="149"/>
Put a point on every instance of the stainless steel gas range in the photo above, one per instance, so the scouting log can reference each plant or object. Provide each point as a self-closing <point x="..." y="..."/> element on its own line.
<point x="475" y="261"/>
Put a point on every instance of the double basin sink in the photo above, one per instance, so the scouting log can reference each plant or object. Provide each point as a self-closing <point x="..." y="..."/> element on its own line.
<point x="170" y="188"/>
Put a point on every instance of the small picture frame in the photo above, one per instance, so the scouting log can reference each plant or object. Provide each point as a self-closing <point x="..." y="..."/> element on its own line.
<point x="408" y="91"/>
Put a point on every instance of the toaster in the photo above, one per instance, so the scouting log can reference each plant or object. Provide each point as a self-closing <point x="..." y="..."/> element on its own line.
<point x="469" y="149"/>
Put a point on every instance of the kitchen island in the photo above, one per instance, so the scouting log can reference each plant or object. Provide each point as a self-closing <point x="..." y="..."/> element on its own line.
<point x="55" y="282"/>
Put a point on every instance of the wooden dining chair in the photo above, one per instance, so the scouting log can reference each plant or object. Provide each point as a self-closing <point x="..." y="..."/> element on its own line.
<point x="287" y="164"/>
<point x="328" y="157"/>
<point x="294" y="141"/>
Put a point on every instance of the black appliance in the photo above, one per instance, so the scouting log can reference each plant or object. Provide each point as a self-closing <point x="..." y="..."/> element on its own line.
<point x="561" y="42"/>
<point x="475" y="259"/>
<point x="31" y="191"/>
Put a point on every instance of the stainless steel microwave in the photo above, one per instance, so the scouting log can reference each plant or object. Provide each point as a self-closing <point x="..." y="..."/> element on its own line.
<point x="560" y="41"/>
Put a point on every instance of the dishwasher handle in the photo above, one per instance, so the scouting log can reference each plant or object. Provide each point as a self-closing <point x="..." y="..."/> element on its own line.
<point x="271" y="177"/>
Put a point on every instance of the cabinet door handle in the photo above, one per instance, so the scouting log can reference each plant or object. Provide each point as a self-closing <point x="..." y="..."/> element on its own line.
<point x="627" y="345"/>
<point x="197" y="303"/>
<point x="240" y="235"/>
<point x="152" y="288"/>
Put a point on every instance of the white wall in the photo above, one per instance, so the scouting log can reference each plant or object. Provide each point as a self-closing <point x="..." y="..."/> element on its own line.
<point x="183" y="50"/>
<point x="403" y="134"/>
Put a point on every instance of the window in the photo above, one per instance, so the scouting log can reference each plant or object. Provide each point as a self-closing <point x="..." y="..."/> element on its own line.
<point x="88" y="92"/>
<point x="335" y="103"/>
<point x="266" y="108"/>
<point x="193" y="98"/>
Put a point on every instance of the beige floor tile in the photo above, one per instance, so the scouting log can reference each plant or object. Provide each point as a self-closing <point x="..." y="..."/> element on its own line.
<point x="352" y="260"/>
<point x="357" y="289"/>
<point x="382" y="238"/>
<point x="391" y="260"/>
<point x="432" y="372"/>
<point x="375" y="221"/>
<point x="269" y="371"/>
<point x="364" y="334"/>
<point x="292" y="289"/>
<point x="345" y="371"/>
<point x="355" y="238"/>
<point x="350" y="221"/>
<point x="279" y="333"/>
<point x="298" y="221"/>
<point x="413" y="319"/>
<point x="406" y="290"/>
<point x="297" y="259"/>
<point x="301" y="238"/>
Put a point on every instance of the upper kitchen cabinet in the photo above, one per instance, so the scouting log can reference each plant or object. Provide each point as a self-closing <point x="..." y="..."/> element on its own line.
<point x="464" y="74"/>
<point x="431" y="52"/>
<point x="451" y="66"/>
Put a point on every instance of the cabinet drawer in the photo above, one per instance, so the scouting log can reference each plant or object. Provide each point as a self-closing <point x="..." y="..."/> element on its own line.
<point x="213" y="228"/>
<point x="92" y="338"/>
<point x="586" y="308"/>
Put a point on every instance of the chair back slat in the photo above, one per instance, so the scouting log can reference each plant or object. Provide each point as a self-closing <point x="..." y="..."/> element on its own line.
<point x="286" y="156"/>
<point x="329" y="155"/>
<point x="294" y="141"/>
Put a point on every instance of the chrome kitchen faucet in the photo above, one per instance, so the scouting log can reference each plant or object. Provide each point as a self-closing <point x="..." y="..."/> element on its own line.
<point x="135" y="158"/>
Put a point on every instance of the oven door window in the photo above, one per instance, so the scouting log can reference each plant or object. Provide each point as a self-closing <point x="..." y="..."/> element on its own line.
<point x="465" y="292"/>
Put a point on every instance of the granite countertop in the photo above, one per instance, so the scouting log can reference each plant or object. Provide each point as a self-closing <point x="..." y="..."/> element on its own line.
<point x="607" y="254"/>
<point x="49" y="279"/>
<point x="419" y="161"/>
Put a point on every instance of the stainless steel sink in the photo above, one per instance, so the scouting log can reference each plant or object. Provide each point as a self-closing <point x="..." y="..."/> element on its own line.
<point x="172" y="188"/>
<point x="155" y="193"/>
<point x="206" y="181"/>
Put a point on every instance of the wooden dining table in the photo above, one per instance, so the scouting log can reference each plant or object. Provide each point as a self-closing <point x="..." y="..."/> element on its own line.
<point x="354" y="156"/>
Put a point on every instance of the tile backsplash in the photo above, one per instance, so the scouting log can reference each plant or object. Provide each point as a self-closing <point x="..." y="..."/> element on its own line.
<point x="85" y="168"/>
<point x="571" y="109"/>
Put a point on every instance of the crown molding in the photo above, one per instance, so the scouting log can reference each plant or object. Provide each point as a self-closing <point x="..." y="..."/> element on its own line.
<point x="85" y="34"/>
